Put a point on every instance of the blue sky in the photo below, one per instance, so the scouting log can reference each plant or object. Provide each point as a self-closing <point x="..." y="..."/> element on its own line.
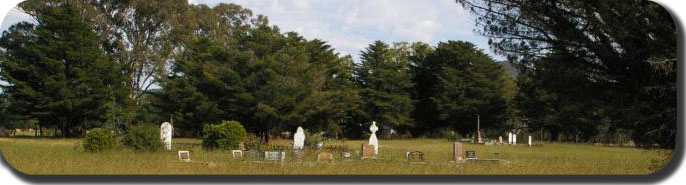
<point x="351" y="25"/>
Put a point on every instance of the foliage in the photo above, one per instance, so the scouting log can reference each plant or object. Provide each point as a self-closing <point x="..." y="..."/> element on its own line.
<point x="57" y="73"/>
<point x="143" y="137"/>
<point x="632" y="62"/>
<point x="98" y="140"/>
<point x="385" y="82"/>
<point x="225" y="135"/>
<point x="312" y="139"/>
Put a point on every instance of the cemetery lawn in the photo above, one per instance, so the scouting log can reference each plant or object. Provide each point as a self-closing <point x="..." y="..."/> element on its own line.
<point x="59" y="156"/>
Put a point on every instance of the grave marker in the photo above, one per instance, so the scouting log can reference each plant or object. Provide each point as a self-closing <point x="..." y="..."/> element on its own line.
<point x="529" y="140"/>
<point x="299" y="139"/>
<point x="237" y="154"/>
<point x="457" y="151"/>
<point x="251" y="155"/>
<point x="514" y="139"/>
<point x="166" y="131"/>
<point x="500" y="138"/>
<point x="372" y="139"/>
<point x="471" y="155"/>
<point x="346" y="156"/>
<point x="299" y="155"/>
<point x="368" y="151"/>
<point x="415" y="156"/>
<point x="275" y="156"/>
<point x="325" y="157"/>
<point x="185" y="156"/>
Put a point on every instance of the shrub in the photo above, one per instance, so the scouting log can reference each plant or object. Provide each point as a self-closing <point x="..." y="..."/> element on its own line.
<point x="252" y="142"/>
<point x="225" y="135"/>
<point x="143" y="138"/>
<point x="311" y="140"/>
<point x="98" y="139"/>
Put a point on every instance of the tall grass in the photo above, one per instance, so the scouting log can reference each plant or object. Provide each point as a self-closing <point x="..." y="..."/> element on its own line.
<point x="58" y="156"/>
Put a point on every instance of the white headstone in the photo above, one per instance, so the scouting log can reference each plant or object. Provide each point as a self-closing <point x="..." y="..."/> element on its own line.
<point x="514" y="139"/>
<point x="299" y="139"/>
<point x="372" y="139"/>
<point x="166" y="135"/>
<point x="529" y="140"/>
<point x="509" y="138"/>
<point x="500" y="138"/>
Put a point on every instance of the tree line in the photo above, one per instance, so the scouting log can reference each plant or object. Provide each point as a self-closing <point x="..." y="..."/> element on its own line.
<point x="99" y="63"/>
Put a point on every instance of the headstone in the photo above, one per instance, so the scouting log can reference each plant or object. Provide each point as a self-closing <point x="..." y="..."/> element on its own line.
<point x="529" y="140"/>
<point x="166" y="135"/>
<point x="368" y="151"/>
<point x="372" y="139"/>
<point x="275" y="156"/>
<point x="299" y="155"/>
<point x="509" y="138"/>
<point x="346" y="156"/>
<point x="514" y="139"/>
<point x="415" y="156"/>
<point x="251" y="155"/>
<point x="457" y="151"/>
<point x="500" y="138"/>
<point x="237" y="154"/>
<point x="299" y="139"/>
<point x="471" y="155"/>
<point x="325" y="157"/>
<point x="185" y="156"/>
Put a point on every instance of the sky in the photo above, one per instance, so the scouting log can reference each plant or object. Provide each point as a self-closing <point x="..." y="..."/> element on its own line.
<point x="351" y="25"/>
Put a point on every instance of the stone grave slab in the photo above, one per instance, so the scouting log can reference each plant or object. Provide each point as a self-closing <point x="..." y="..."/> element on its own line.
<point x="237" y="154"/>
<point x="275" y="156"/>
<point x="185" y="156"/>
<point x="368" y="151"/>
<point x="415" y="156"/>
<point x="325" y="157"/>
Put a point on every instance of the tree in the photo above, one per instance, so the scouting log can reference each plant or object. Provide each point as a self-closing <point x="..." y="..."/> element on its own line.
<point x="385" y="83"/>
<point x="57" y="72"/>
<point x="628" y="48"/>
<point x="458" y="84"/>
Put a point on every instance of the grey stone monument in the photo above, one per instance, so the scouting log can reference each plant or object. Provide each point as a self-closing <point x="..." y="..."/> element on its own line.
<point x="166" y="131"/>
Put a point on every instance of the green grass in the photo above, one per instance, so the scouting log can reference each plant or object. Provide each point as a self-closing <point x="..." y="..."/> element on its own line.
<point x="59" y="156"/>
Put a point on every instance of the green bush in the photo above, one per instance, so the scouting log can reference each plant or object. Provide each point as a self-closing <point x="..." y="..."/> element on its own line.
<point x="225" y="135"/>
<point x="98" y="139"/>
<point x="311" y="140"/>
<point x="143" y="138"/>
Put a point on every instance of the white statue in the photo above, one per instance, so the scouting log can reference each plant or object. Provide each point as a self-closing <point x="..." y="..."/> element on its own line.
<point x="166" y="135"/>
<point x="372" y="139"/>
<point x="299" y="139"/>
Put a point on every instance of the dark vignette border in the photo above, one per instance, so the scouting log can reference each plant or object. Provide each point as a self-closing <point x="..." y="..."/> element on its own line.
<point x="662" y="174"/>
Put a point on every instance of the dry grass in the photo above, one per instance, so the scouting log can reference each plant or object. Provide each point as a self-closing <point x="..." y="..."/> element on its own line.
<point x="58" y="156"/>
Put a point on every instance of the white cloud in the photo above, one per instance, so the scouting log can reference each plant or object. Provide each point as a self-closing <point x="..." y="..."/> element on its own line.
<point x="351" y="25"/>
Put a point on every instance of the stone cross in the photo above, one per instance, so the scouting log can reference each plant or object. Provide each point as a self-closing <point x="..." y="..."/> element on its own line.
<point x="372" y="139"/>
<point x="166" y="135"/>
<point x="299" y="139"/>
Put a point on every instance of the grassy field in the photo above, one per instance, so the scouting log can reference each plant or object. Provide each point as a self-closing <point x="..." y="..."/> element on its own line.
<point x="59" y="156"/>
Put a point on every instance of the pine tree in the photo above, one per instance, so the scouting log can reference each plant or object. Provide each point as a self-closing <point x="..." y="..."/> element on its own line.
<point x="385" y="82"/>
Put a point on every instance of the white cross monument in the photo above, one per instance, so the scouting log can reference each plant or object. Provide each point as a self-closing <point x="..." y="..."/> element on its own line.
<point x="372" y="139"/>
